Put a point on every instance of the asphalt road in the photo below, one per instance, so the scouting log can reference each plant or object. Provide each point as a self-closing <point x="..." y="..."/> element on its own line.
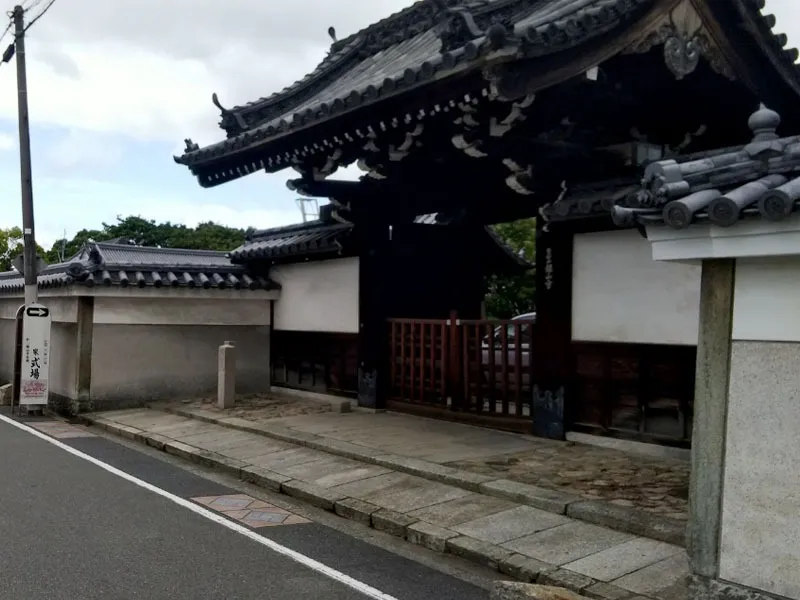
<point x="71" y="530"/>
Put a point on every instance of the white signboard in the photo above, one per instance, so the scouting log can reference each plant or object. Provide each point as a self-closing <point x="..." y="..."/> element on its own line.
<point x="35" y="363"/>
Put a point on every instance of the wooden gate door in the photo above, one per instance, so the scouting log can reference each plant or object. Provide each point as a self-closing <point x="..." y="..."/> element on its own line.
<point x="469" y="370"/>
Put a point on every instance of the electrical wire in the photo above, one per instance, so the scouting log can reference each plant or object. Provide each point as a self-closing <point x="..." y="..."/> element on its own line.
<point x="6" y="30"/>
<point x="41" y="13"/>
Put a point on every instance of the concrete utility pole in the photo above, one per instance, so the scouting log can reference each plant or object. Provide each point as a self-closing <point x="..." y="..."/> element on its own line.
<point x="26" y="178"/>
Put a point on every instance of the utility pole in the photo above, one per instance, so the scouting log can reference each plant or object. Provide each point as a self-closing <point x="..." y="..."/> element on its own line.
<point x="26" y="178"/>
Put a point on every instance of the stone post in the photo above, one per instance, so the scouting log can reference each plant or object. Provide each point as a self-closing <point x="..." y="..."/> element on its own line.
<point x="226" y="376"/>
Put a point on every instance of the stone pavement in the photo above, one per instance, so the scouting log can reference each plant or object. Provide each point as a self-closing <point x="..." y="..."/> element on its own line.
<point x="540" y="544"/>
<point x="658" y="486"/>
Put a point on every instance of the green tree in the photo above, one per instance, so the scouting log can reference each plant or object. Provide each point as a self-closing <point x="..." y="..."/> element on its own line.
<point x="510" y="295"/>
<point x="11" y="246"/>
<point x="146" y="232"/>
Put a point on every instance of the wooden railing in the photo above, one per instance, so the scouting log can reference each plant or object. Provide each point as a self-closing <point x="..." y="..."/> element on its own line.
<point x="474" y="366"/>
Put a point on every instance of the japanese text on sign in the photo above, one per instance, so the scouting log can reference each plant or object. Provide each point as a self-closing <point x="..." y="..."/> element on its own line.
<point x="548" y="269"/>
<point x="35" y="363"/>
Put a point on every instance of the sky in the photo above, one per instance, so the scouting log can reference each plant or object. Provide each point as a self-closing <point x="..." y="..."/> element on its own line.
<point x="115" y="87"/>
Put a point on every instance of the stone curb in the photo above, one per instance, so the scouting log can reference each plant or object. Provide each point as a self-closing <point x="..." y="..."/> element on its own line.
<point x="619" y="518"/>
<point x="417" y="532"/>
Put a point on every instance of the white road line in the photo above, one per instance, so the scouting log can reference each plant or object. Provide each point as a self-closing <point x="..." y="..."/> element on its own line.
<point x="304" y="560"/>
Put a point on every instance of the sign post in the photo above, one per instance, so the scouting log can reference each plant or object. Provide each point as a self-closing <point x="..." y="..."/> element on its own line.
<point x="35" y="360"/>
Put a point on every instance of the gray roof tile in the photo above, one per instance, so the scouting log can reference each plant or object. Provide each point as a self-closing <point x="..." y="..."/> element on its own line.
<point x="396" y="54"/>
<point x="721" y="187"/>
<point x="107" y="264"/>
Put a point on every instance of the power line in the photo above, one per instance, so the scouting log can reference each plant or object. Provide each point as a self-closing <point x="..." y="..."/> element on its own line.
<point x="41" y="13"/>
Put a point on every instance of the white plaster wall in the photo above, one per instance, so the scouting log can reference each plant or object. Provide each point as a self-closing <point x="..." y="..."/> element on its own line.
<point x="181" y="311"/>
<point x="761" y="504"/>
<point x="7" y="334"/>
<point x="317" y="296"/>
<point x="63" y="359"/>
<point x="620" y="294"/>
<point x="132" y="364"/>
<point x="767" y="299"/>
<point x="62" y="310"/>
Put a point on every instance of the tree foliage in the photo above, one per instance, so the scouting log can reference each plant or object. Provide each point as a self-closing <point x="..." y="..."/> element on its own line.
<point x="11" y="247"/>
<point x="511" y="295"/>
<point x="144" y="232"/>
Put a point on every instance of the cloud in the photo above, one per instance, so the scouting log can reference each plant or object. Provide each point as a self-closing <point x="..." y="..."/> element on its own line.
<point x="147" y="69"/>
<point x="7" y="142"/>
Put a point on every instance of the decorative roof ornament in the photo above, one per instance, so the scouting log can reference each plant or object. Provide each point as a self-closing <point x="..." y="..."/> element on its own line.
<point x="332" y="33"/>
<point x="764" y="124"/>
<point x="685" y="39"/>
<point x="227" y="112"/>
<point x="455" y="27"/>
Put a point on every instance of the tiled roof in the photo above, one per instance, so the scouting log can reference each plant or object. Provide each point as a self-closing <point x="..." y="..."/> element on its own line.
<point x="109" y="264"/>
<point x="303" y="239"/>
<point x="421" y="44"/>
<point x="761" y="179"/>
<point x="321" y="238"/>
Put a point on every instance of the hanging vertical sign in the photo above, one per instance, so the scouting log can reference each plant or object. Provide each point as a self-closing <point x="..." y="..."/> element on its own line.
<point x="35" y="363"/>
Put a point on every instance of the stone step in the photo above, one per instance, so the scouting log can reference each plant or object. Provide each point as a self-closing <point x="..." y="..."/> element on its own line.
<point x="527" y="543"/>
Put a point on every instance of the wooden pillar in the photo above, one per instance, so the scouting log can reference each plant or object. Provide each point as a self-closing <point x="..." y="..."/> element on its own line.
<point x="83" y="362"/>
<point x="372" y="229"/>
<point x="552" y="357"/>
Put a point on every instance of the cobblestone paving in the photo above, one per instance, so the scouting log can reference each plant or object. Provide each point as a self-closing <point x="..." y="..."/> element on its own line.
<point x="655" y="485"/>
<point x="258" y="407"/>
<point x="253" y="513"/>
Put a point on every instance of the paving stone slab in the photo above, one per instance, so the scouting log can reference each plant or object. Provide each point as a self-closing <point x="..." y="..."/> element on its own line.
<point x="366" y="487"/>
<point x="622" y="559"/>
<point x="313" y="494"/>
<point x="351" y="475"/>
<point x="631" y="520"/>
<point x="391" y="522"/>
<point x="430" y="536"/>
<point x="434" y="472"/>
<point x="415" y="493"/>
<point x="524" y="568"/>
<point x="531" y="495"/>
<point x="478" y="551"/>
<point x="567" y="543"/>
<point x="264" y="477"/>
<point x="566" y="579"/>
<point x="511" y="590"/>
<point x="468" y="508"/>
<point x="356" y="510"/>
<point x="510" y="524"/>
<point x="605" y="591"/>
<point x="284" y="459"/>
<point x="665" y="580"/>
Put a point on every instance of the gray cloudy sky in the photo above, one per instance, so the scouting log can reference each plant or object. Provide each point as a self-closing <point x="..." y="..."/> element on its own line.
<point x="116" y="85"/>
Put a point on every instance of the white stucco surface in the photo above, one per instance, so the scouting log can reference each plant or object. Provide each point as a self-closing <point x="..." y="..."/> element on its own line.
<point x="181" y="311"/>
<point x="620" y="294"/>
<point x="761" y="503"/>
<point x="317" y="296"/>
<point x="767" y="299"/>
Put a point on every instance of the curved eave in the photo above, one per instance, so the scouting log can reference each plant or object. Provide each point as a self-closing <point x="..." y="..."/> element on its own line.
<point x="758" y="54"/>
<point x="606" y="32"/>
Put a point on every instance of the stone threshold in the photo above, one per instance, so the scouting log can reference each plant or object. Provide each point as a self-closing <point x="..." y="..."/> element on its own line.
<point x="620" y="518"/>
<point x="421" y="533"/>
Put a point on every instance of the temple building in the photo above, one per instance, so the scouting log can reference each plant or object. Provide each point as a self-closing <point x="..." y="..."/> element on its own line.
<point x="503" y="109"/>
